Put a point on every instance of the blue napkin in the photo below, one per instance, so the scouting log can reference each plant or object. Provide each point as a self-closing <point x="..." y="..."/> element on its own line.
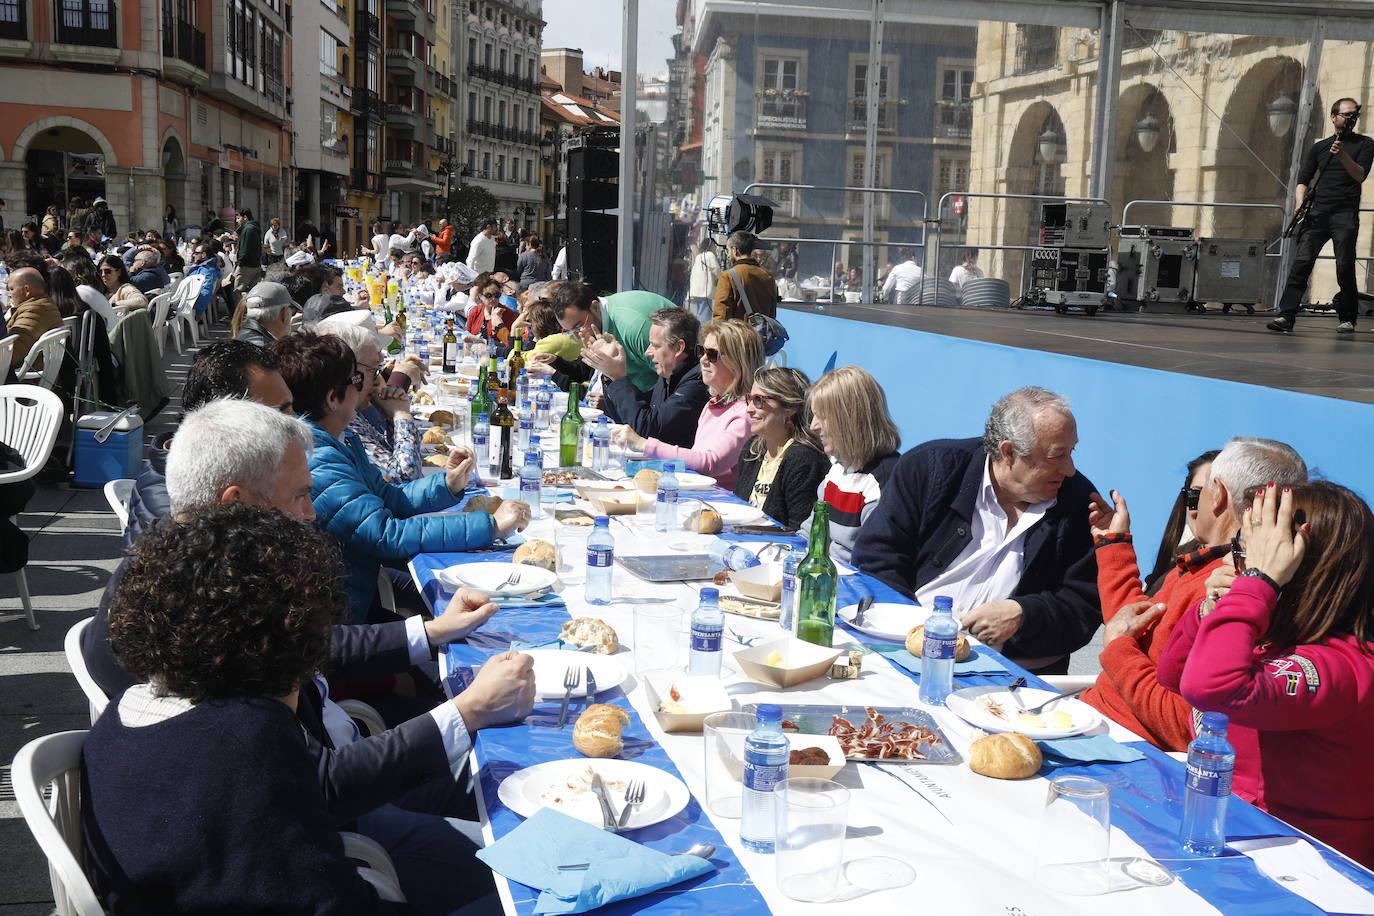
<point x="546" y="495"/>
<point x="980" y="661"/>
<point x="1065" y="752"/>
<point x="554" y="643"/>
<point x="632" y="468"/>
<point x="619" y="868"/>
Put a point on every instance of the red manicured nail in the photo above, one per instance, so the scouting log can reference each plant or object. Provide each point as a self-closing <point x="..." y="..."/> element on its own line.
<point x="1288" y="489"/>
<point x="1306" y="527"/>
<point x="1271" y="483"/>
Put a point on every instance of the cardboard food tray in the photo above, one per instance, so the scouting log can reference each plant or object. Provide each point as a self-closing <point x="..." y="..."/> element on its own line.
<point x="816" y="720"/>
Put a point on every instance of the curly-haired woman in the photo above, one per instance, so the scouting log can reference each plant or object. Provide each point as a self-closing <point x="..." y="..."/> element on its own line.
<point x="198" y="794"/>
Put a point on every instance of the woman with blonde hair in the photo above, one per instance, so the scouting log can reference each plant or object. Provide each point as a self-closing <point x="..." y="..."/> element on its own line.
<point x="730" y="353"/>
<point x="783" y="464"/>
<point x="849" y="415"/>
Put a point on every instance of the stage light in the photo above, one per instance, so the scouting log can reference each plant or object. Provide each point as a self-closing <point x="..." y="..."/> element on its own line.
<point x="727" y="213"/>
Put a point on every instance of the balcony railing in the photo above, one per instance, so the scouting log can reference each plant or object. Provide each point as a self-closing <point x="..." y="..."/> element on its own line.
<point x="185" y="42"/>
<point x="780" y="113"/>
<point x="366" y="181"/>
<point x="498" y="132"/>
<point x="368" y="24"/>
<point x="887" y="116"/>
<point x="1037" y="48"/>
<point x="14" y="23"/>
<point x="364" y="101"/>
<point x="85" y="22"/>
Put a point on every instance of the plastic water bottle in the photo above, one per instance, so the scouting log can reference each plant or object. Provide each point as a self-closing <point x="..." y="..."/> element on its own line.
<point x="787" y="607"/>
<point x="1211" y="761"/>
<point x="522" y="386"/>
<point x="481" y="442"/>
<point x="708" y="628"/>
<point x="732" y="556"/>
<point x="531" y="483"/>
<point x="543" y="399"/>
<point x="526" y="427"/>
<point x="601" y="444"/>
<point x="937" y="652"/>
<point x="765" y="766"/>
<point x="665" y="505"/>
<point x="600" y="557"/>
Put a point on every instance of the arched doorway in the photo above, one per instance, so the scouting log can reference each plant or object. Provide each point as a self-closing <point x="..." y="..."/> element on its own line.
<point x="63" y="163"/>
<point x="1039" y="146"/>
<point x="174" y="180"/>
<point x="1144" y="140"/>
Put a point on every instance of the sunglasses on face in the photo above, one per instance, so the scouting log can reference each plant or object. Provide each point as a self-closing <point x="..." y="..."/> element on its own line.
<point x="1237" y="553"/>
<point x="491" y="295"/>
<point x="760" y="401"/>
<point x="710" y="354"/>
<point x="1191" y="496"/>
<point x="108" y="270"/>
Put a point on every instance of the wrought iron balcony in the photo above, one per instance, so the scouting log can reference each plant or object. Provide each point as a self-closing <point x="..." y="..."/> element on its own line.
<point x="780" y="113"/>
<point x="85" y="22"/>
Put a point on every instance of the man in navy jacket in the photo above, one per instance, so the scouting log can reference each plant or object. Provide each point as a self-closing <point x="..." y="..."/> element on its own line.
<point x="671" y="409"/>
<point x="1000" y="524"/>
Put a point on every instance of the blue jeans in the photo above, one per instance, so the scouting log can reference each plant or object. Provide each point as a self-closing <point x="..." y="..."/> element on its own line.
<point x="435" y="861"/>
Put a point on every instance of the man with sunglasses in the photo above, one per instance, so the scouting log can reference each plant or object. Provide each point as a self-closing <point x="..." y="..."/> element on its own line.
<point x="619" y="321"/>
<point x="670" y="410"/>
<point x="1138" y="625"/>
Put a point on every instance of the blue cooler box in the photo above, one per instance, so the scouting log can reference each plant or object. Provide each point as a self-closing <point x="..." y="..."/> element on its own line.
<point x="97" y="463"/>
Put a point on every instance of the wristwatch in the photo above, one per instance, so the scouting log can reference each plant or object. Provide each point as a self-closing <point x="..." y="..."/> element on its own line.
<point x="1259" y="574"/>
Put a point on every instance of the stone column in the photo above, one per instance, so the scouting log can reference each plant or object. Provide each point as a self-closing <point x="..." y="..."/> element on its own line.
<point x="13" y="190"/>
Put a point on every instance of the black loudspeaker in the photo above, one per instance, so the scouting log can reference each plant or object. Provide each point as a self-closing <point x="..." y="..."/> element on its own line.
<point x="593" y="195"/>
<point x="592" y="239"/>
<point x="590" y="163"/>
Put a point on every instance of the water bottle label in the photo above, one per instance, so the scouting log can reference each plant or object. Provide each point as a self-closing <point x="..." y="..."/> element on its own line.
<point x="667" y="496"/>
<point x="763" y="777"/>
<point x="600" y="556"/>
<point x="937" y="648"/>
<point x="789" y="581"/>
<point x="1207" y="781"/>
<point x="527" y="424"/>
<point x="529" y="492"/>
<point x="479" y="439"/>
<point x="706" y="638"/>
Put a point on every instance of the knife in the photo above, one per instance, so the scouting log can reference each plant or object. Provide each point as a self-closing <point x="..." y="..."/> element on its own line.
<point x="591" y="684"/>
<point x="608" y="818"/>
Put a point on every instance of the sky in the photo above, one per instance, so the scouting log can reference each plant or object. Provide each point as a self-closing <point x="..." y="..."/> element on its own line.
<point x="595" y="26"/>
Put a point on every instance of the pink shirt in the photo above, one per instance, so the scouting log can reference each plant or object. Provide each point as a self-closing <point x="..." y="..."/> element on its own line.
<point x="1302" y="721"/>
<point x="722" y="433"/>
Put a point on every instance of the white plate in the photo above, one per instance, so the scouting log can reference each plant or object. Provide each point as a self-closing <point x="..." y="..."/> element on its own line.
<point x="565" y="785"/>
<point x="551" y="664"/>
<point x="737" y="513"/>
<point x="491" y="578"/>
<point x="970" y="704"/>
<point x="886" y="621"/>
<point x="690" y="480"/>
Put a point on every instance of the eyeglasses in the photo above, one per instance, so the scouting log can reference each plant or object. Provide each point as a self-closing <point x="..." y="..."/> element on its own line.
<point x="370" y="370"/>
<point x="491" y="295"/>
<point x="108" y="270"/>
<point x="760" y="401"/>
<point x="1191" y="496"/>
<point x="357" y="379"/>
<point x="711" y="354"/>
<point x="1237" y="553"/>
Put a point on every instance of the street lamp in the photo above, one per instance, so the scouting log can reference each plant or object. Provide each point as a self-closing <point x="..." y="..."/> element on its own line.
<point x="1050" y="144"/>
<point x="1147" y="132"/>
<point x="1282" y="113"/>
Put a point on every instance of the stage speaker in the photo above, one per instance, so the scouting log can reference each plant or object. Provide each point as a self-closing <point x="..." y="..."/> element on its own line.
<point x="592" y="239"/>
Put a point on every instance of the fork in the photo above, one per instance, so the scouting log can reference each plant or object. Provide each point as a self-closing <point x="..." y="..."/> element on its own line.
<point x="634" y="795"/>
<point x="571" y="678"/>
<point x="512" y="579"/>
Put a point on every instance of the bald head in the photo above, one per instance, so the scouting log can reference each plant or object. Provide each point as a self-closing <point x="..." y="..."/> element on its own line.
<point x="26" y="283"/>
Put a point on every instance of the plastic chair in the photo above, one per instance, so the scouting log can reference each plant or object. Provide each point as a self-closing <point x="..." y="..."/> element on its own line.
<point x="54" y="761"/>
<point x="1065" y="683"/>
<point x="160" y="306"/>
<point x="117" y="493"/>
<point x="50" y="347"/>
<point x="71" y="646"/>
<point x="7" y="355"/>
<point x="183" y="310"/>
<point x="386" y="889"/>
<point x="29" y="418"/>
<point x="369" y="721"/>
<point x="370" y="854"/>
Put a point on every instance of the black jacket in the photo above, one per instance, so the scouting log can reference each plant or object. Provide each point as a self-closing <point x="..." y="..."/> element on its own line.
<point x="149" y="502"/>
<point x="669" y="411"/>
<point x="357" y="777"/>
<point x="254" y="333"/>
<point x="922" y="524"/>
<point x="792" y="495"/>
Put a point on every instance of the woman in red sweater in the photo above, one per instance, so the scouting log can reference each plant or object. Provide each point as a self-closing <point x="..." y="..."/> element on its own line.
<point x="1287" y="654"/>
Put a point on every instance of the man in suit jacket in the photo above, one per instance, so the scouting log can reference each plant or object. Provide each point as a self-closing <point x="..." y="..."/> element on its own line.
<point x="1001" y="525"/>
<point x="669" y="411"/>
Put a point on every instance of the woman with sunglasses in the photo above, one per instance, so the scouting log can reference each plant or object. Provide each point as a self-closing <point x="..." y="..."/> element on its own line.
<point x="114" y="277"/>
<point x="1287" y="652"/>
<point x="374" y="521"/>
<point x="488" y="317"/>
<point x="383" y="423"/>
<point x="1180" y="533"/>
<point x="783" y="463"/>
<point x="730" y="355"/>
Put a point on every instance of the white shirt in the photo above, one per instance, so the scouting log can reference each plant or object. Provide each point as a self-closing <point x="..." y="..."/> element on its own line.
<point x="379" y="245"/>
<point x="482" y="253"/>
<point x="990" y="567"/>
<point x="403" y="242"/>
<point x="961" y="275"/>
<point x="276" y="241"/>
<point x="902" y="277"/>
<point x="705" y="273"/>
<point x="560" y="265"/>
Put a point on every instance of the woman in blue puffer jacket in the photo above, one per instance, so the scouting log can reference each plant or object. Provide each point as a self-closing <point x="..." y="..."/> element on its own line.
<point x="373" y="521"/>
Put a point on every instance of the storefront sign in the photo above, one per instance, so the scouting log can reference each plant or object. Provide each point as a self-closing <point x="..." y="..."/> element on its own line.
<point x="346" y="212"/>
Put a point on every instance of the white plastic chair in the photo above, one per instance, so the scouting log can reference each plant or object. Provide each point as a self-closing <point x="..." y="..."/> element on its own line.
<point x="183" y="310"/>
<point x="160" y="307"/>
<point x="1066" y="683"/>
<point x="117" y="493"/>
<point x="369" y="721"/>
<point x="29" y="418"/>
<point x="371" y="854"/>
<point x="71" y="645"/>
<point x="7" y="355"/>
<point x="51" y="348"/>
<point x="55" y="761"/>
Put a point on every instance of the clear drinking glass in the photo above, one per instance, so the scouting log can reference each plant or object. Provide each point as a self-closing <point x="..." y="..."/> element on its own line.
<point x="570" y="546"/>
<point x="811" y="817"/>
<point x="1074" y="851"/>
<point x="725" y="733"/>
<point x="657" y="637"/>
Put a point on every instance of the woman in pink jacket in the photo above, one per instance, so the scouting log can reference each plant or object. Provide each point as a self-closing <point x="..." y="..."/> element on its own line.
<point x="1286" y="652"/>
<point x="730" y="353"/>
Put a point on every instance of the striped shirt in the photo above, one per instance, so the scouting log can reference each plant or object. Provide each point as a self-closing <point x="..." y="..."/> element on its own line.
<point x="852" y="496"/>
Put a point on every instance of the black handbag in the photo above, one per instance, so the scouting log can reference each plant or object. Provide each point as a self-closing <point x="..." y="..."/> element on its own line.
<point x="770" y="330"/>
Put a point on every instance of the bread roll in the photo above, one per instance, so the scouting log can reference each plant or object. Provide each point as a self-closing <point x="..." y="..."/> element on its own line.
<point x="1007" y="756"/>
<point x="705" y="521"/>
<point x="537" y="553"/>
<point x="435" y="435"/>
<point x="915" y="638"/>
<point x="441" y="418"/>
<point x="590" y="631"/>
<point x="597" y="731"/>
<point x="483" y="503"/>
<point x="436" y="461"/>
<point x="647" y="480"/>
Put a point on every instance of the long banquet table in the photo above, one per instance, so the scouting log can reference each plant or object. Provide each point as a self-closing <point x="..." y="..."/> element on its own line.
<point x="972" y="840"/>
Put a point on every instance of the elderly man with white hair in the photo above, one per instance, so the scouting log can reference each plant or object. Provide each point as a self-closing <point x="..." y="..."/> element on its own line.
<point x="397" y="785"/>
<point x="1000" y="525"/>
<point x="147" y="273"/>
<point x="266" y="315"/>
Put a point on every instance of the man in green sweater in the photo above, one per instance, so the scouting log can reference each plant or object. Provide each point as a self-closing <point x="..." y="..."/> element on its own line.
<point x="248" y="269"/>
<point x="621" y="318"/>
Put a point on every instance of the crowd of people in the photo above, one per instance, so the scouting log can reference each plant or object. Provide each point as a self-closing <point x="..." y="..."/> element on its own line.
<point x="260" y="529"/>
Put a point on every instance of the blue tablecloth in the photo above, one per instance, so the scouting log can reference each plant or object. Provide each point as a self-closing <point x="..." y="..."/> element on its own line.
<point x="1147" y="795"/>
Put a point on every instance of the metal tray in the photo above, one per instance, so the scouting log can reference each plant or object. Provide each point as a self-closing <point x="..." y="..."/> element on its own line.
<point x="675" y="568"/>
<point x="816" y="720"/>
<point x="578" y="472"/>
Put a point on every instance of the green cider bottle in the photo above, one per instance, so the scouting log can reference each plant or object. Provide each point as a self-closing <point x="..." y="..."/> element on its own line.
<point x="816" y="583"/>
<point x="570" y="432"/>
<point x="481" y="401"/>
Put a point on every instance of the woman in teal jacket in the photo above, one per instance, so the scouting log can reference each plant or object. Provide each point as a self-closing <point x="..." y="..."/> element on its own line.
<point x="373" y="521"/>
